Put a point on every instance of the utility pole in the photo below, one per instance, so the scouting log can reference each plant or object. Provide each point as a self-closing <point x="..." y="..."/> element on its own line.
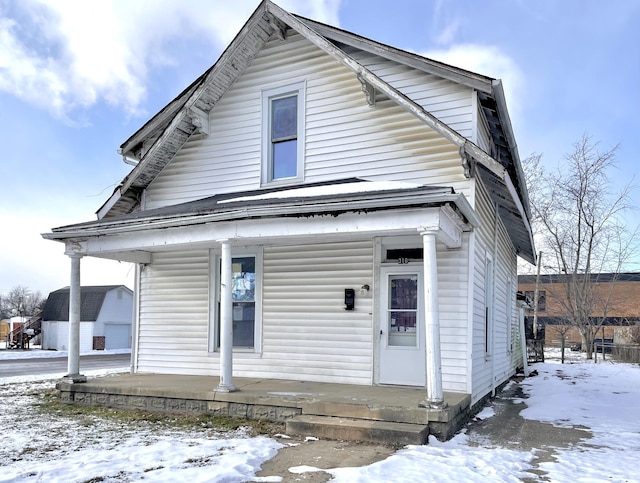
<point x="535" y="298"/>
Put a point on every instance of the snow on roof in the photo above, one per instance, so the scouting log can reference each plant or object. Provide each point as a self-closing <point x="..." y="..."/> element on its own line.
<point x="328" y="190"/>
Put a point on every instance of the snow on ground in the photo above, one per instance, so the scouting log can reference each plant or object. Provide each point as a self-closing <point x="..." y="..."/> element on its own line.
<point x="603" y="397"/>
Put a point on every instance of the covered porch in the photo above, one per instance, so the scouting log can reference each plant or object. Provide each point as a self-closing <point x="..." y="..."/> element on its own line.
<point x="382" y="414"/>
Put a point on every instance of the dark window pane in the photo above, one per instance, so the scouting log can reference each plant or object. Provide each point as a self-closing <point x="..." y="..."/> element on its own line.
<point x="243" y="279"/>
<point x="410" y="254"/>
<point x="243" y="323"/>
<point x="404" y="293"/>
<point x="284" y="118"/>
<point x="403" y="321"/>
<point x="285" y="159"/>
<point x="243" y="283"/>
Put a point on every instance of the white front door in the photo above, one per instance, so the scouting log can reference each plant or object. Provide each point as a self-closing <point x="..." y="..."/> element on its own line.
<point x="401" y="331"/>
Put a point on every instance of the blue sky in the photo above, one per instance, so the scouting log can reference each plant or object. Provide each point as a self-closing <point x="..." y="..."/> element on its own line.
<point x="78" y="78"/>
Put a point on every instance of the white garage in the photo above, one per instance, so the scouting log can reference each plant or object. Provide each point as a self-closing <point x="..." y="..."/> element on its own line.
<point x="105" y="318"/>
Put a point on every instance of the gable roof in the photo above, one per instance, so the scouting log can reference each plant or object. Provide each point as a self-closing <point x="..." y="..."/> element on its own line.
<point x="157" y="142"/>
<point x="91" y="300"/>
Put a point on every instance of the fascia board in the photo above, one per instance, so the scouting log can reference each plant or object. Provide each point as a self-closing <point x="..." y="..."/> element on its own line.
<point x="107" y="205"/>
<point x="501" y="103"/>
<point x="461" y="76"/>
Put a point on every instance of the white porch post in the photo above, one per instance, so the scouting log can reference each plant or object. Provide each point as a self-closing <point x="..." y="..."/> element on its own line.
<point x="435" y="398"/>
<point x="73" y="357"/>
<point x="226" y="322"/>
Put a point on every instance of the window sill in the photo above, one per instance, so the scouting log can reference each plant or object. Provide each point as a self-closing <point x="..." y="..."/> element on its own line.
<point x="238" y="353"/>
<point x="282" y="182"/>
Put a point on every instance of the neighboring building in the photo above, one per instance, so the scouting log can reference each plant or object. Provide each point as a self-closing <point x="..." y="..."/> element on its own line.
<point x="105" y="318"/>
<point x="4" y="330"/>
<point x="616" y="294"/>
<point x="321" y="207"/>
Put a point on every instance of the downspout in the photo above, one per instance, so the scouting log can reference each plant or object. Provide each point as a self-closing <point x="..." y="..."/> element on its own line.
<point x="136" y="318"/>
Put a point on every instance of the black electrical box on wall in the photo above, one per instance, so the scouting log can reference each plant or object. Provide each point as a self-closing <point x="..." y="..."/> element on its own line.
<point x="349" y="299"/>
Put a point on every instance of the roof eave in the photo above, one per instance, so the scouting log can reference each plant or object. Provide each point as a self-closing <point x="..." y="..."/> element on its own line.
<point x="279" y="208"/>
<point x="462" y="76"/>
<point x="501" y="103"/>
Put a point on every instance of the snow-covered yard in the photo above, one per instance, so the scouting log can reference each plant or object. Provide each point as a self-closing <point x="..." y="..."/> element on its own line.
<point x="603" y="397"/>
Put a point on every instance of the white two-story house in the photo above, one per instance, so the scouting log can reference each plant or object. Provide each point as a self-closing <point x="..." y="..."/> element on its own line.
<point x="318" y="206"/>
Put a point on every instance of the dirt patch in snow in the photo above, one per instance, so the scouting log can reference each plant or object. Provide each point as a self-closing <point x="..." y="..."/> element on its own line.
<point x="321" y="454"/>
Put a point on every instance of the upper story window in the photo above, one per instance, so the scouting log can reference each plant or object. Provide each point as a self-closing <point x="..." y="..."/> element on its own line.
<point x="283" y="134"/>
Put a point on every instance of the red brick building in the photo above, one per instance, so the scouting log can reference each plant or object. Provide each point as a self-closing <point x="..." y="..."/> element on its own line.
<point x="616" y="297"/>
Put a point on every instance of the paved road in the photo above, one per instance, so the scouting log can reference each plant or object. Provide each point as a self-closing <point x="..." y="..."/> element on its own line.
<point x="56" y="365"/>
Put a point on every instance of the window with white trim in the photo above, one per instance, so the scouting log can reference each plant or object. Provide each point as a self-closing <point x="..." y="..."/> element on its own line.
<point x="283" y="134"/>
<point x="246" y="299"/>
<point x="488" y="307"/>
<point x="509" y="306"/>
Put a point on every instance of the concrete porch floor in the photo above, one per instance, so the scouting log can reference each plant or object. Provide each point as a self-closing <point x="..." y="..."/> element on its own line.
<point x="390" y="414"/>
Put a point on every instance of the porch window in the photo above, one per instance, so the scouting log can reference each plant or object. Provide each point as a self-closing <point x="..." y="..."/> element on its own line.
<point x="283" y="134"/>
<point x="245" y="296"/>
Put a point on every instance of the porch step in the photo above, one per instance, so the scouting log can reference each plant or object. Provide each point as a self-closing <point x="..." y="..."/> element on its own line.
<point x="348" y="429"/>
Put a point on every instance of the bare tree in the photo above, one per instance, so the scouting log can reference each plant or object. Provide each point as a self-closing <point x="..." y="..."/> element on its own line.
<point x="22" y="302"/>
<point x="578" y="219"/>
<point x="562" y="327"/>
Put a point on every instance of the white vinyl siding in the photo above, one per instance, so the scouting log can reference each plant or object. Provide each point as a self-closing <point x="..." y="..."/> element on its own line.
<point x="448" y="101"/>
<point x="307" y="333"/>
<point x="344" y="136"/>
<point x="453" y="292"/>
<point x="504" y="306"/>
<point x="493" y="368"/>
<point x="174" y="308"/>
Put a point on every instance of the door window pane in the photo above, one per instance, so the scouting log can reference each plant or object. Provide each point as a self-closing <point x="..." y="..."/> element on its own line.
<point x="403" y="310"/>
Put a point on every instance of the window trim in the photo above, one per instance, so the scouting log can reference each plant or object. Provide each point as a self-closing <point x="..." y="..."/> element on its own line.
<point x="214" y="298"/>
<point x="268" y="95"/>
<point x="509" y="310"/>
<point x="489" y="306"/>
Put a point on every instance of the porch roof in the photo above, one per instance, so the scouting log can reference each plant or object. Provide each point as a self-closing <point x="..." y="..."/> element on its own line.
<point x="296" y="214"/>
<point x="350" y="195"/>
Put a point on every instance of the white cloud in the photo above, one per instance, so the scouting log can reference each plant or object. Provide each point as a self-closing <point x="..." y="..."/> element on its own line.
<point x="29" y="260"/>
<point x="69" y="55"/>
<point x="492" y="62"/>
<point x="448" y="33"/>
